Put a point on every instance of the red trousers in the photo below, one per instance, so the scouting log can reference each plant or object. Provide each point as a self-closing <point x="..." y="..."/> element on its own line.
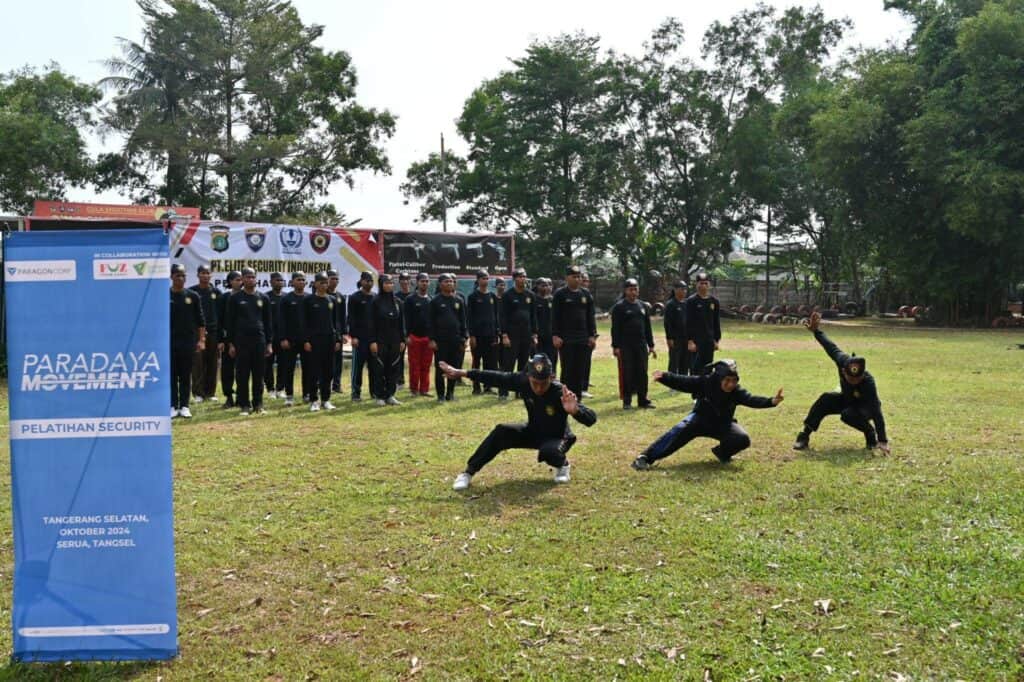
<point x="420" y="360"/>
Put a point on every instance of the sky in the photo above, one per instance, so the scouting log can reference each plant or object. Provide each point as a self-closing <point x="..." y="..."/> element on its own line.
<point x="419" y="60"/>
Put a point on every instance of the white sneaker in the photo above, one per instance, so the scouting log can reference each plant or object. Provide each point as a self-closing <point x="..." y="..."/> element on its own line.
<point x="197" y="399"/>
<point x="175" y="412"/>
<point x="380" y="403"/>
<point x="329" y="406"/>
<point x="586" y="394"/>
<point x="214" y="399"/>
<point x="393" y="401"/>
<point x="288" y="402"/>
<point x="244" y="412"/>
<point x="462" y="481"/>
<point x="562" y="474"/>
<point x="185" y="412"/>
<point x="314" y="406"/>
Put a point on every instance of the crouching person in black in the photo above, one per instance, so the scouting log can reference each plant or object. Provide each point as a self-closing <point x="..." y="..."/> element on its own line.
<point x="548" y="404"/>
<point x="856" y="403"/>
<point x="717" y="393"/>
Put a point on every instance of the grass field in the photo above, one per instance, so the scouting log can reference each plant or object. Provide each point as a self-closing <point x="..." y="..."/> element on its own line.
<point x="331" y="546"/>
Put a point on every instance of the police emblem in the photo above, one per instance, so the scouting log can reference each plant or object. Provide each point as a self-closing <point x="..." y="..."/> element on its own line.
<point x="319" y="240"/>
<point x="188" y="300"/>
<point x="291" y="240"/>
<point x="854" y="370"/>
<point x="219" y="238"/>
<point x="255" y="238"/>
<point x="259" y="303"/>
<point x="330" y="306"/>
<point x="538" y="366"/>
<point x="712" y="306"/>
<point x="550" y="409"/>
<point x="213" y="296"/>
<point x="456" y="306"/>
<point x="856" y="394"/>
<point x="583" y="299"/>
<point x="529" y="300"/>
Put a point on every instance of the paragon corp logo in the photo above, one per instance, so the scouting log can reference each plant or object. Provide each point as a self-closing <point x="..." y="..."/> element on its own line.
<point x="131" y="268"/>
<point x="89" y="371"/>
<point x="40" y="271"/>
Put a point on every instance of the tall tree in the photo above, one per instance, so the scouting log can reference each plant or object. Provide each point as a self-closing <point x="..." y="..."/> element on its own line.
<point x="43" y="117"/>
<point x="236" y="92"/>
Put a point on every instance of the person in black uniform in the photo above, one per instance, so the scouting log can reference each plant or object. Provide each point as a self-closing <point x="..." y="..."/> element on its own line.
<point x="387" y="340"/>
<point x="204" y="364"/>
<point x="718" y="393"/>
<point x="482" y="321"/>
<point x="417" y="325"/>
<point x="548" y="405"/>
<point x="404" y="291"/>
<point x="227" y="362"/>
<point x="519" y="330"/>
<point x="589" y="357"/>
<point x="703" y="328"/>
<point x="574" y="329"/>
<point x="320" y="341"/>
<point x="359" y="331"/>
<point x="275" y="295"/>
<point x="543" y="303"/>
<point x="446" y="322"/>
<point x="291" y="333"/>
<point x="188" y="336"/>
<point x="249" y="326"/>
<point x="856" y="403"/>
<point x="632" y="342"/>
<point x="675" y="330"/>
<point x="338" y="359"/>
<point x="500" y="287"/>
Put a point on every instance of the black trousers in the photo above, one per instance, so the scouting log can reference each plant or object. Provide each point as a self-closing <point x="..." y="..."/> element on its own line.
<point x="268" y="368"/>
<point x="250" y="359"/>
<point x="704" y="356"/>
<point x="833" y="403"/>
<point x="452" y="351"/>
<point x="485" y="356"/>
<point x="574" y="366"/>
<point x="387" y="371"/>
<point x="204" y="368"/>
<point x="361" y="358"/>
<point x="518" y="355"/>
<point x="546" y="346"/>
<point x="181" y="375"/>
<point x="338" y="364"/>
<point x="633" y="368"/>
<point x="679" y="357"/>
<point x="308" y="378"/>
<point x="227" y="373"/>
<point x="321" y="367"/>
<point x="588" y="360"/>
<point x="511" y="436"/>
<point x="286" y="368"/>
<point x="731" y="438"/>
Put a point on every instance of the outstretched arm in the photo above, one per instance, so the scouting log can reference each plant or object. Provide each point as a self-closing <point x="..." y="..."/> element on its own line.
<point x="745" y="398"/>
<point x="838" y="356"/>
<point x="505" y="380"/>
<point x="678" y="382"/>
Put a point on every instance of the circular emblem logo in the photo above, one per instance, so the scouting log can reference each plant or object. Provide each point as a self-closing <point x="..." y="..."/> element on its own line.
<point x="583" y="300"/>
<point x="529" y="300"/>
<point x="319" y="240"/>
<point x="188" y="300"/>
<point x="259" y="303"/>
<point x="330" y="306"/>
<point x="856" y="394"/>
<point x="213" y="296"/>
<point x="712" y="306"/>
<point x="550" y="409"/>
<point x="456" y="306"/>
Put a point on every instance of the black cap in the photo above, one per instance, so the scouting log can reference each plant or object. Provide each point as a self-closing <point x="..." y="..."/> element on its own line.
<point x="573" y="270"/>
<point x="702" y="277"/>
<point x="499" y="280"/>
<point x="855" y="366"/>
<point x="680" y="284"/>
<point x="276" y="275"/>
<point x="519" y="272"/>
<point x="631" y="282"/>
<point x="332" y="273"/>
<point x="543" y="280"/>
<point x="298" y="273"/>
<point x="404" y="276"/>
<point x="725" y="368"/>
<point x="365" y="276"/>
<point x="320" y="277"/>
<point x="445" y="277"/>
<point x="233" y="275"/>
<point x="481" y="273"/>
<point x="248" y="271"/>
<point x="177" y="269"/>
<point x="422" y="276"/>
<point x="203" y="268"/>
<point x="383" y="278"/>
<point x="540" y="367"/>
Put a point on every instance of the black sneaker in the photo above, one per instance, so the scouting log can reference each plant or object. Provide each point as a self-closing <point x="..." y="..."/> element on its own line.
<point x="870" y="440"/>
<point x="627" y="406"/>
<point x="641" y="463"/>
<point x="803" y="441"/>
<point x="646" y="405"/>
<point x="228" y="402"/>
<point x="717" y="452"/>
<point x="477" y="391"/>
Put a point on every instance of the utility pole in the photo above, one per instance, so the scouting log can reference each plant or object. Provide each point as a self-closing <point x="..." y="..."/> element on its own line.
<point x="768" y="259"/>
<point x="444" y="189"/>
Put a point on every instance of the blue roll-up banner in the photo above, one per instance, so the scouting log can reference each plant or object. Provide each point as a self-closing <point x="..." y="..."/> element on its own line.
<point x="88" y="347"/>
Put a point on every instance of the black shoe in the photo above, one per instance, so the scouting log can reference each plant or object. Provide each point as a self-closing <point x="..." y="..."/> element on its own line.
<point x="870" y="440"/>
<point x="627" y="406"/>
<point x="803" y="441"/>
<point x="489" y="391"/>
<point x="228" y="402"/>
<point x="641" y="463"/>
<point x="717" y="452"/>
<point x="450" y="398"/>
<point x="477" y="391"/>
<point x="646" y="405"/>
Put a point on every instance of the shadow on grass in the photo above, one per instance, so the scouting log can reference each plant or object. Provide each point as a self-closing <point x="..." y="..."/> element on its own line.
<point x="97" y="670"/>
<point x="701" y="469"/>
<point x="492" y="500"/>
<point x="841" y="456"/>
